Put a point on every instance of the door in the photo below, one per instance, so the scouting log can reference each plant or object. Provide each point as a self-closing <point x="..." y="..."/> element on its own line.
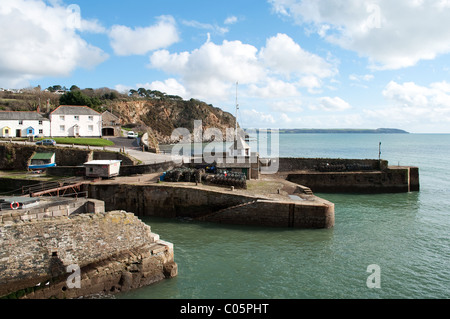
<point x="18" y="133"/>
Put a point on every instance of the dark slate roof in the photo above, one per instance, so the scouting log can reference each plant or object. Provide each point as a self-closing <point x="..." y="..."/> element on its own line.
<point x="74" y="110"/>
<point x="28" y="116"/>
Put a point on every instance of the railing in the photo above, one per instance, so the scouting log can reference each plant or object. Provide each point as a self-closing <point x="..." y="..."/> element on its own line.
<point x="48" y="186"/>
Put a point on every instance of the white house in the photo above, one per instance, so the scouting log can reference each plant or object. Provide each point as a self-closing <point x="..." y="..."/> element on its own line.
<point x="239" y="148"/>
<point x="23" y="124"/>
<point x="75" y="121"/>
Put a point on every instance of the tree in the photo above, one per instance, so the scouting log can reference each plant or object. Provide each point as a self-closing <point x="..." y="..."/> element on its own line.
<point x="78" y="98"/>
<point x="74" y="88"/>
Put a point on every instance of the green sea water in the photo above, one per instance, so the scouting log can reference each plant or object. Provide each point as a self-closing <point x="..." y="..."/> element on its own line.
<point x="406" y="235"/>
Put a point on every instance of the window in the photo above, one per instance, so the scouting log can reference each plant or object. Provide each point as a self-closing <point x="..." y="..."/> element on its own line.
<point x="20" y="122"/>
<point x="76" y="118"/>
<point x="6" y="131"/>
<point x="30" y="131"/>
<point x="41" y="131"/>
<point x="62" y="128"/>
<point x="91" y="128"/>
<point x="62" y="117"/>
<point x="40" y="122"/>
<point x="91" y="118"/>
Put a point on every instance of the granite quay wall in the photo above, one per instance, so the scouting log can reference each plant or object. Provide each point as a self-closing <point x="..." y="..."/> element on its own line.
<point x="391" y="180"/>
<point x="112" y="251"/>
<point x="215" y="206"/>
<point x="312" y="164"/>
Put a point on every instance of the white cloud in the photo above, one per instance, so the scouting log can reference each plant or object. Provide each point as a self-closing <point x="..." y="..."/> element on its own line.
<point x="138" y="41"/>
<point x="282" y="55"/>
<point x="231" y="20"/>
<point x="206" y="26"/>
<point x="253" y="118"/>
<point x="210" y="71"/>
<point x="279" y="69"/>
<point x="329" y="104"/>
<point x="416" y="108"/>
<point x="392" y="34"/>
<point x="32" y="46"/>
<point x="411" y="95"/>
<point x="273" y="88"/>
<point x="361" y="78"/>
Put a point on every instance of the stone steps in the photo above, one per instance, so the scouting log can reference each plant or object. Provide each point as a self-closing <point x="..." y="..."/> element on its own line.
<point x="204" y="217"/>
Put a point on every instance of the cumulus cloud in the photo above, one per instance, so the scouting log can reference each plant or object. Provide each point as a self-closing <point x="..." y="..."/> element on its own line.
<point x="210" y="71"/>
<point x="414" y="107"/>
<point x="411" y="95"/>
<point x="392" y="34"/>
<point x="141" y="40"/>
<point x="332" y="104"/>
<point x="32" y="46"/>
<point x="280" y="68"/>
<point x="281" y="54"/>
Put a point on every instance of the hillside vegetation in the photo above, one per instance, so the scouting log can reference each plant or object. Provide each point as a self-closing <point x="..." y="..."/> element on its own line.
<point x="141" y="110"/>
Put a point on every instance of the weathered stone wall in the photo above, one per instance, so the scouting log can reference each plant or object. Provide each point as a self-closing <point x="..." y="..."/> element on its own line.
<point x="392" y="180"/>
<point x="278" y="214"/>
<point x="16" y="156"/>
<point x="115" y="252"/>
<point x="297" y="164"/>
<point x="216" y="206"/>
<point x="128" y="170"/>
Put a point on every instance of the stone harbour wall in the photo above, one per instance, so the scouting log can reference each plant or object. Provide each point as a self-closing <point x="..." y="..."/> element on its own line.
<point x="215" y="206"/>
<point x="113" y="251"/>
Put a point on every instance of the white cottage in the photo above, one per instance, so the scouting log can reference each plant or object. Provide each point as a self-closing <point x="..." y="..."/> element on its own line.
<point x="75" y="121"/>
<point x="23" y="124"/>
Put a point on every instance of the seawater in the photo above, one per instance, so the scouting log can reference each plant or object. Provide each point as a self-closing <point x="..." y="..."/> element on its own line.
<point x="406" y="235"/>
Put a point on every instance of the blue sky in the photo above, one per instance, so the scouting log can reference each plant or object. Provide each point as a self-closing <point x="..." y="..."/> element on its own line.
<point x="299" y="63"/>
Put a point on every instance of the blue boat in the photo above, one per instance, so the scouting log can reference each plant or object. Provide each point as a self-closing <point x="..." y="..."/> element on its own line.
<point x="42" y="161"/>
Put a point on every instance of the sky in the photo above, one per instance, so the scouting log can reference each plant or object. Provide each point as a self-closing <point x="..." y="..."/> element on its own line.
<point x="290" y="63"/>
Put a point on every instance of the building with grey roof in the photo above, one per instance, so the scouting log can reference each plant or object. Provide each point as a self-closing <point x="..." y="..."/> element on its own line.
<point x="23" y="124"/>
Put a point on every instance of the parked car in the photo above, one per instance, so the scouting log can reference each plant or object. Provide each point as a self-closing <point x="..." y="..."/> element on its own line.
<point x="132" y="134"/>
<point x="46" y="142"/>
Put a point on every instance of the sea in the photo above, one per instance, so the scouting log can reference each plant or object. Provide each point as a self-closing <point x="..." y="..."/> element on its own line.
<point x="383" y="246"/>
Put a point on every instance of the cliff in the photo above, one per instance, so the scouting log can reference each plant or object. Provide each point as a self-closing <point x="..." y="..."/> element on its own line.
<point x="160" y="117"/>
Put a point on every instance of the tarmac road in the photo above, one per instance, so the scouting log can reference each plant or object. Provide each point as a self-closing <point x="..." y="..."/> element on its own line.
<point x="131" y="148"/>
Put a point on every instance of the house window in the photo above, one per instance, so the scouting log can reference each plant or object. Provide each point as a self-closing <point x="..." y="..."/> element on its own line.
<point x="62" y="117"/>
<point x="40" y="122"/>
<point x="20" y="122"/>
<point x="91" y="118"/>
<point x="41" y="131"/>
<point x="30" y="131"/>
<point x="76" y="118"/>
<point x="91" y="128"/>
<point x="62" y="128"/>
<point x="6" y="131"/>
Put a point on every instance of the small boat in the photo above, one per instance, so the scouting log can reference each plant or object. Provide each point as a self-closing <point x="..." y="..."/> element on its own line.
<point x="42" y="161"/>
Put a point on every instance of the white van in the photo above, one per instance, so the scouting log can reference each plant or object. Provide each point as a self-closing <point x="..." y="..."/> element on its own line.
<point x="131" y="134"/>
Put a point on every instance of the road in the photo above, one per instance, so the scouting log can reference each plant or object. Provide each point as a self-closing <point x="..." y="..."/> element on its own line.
<point x="131" y="148"/>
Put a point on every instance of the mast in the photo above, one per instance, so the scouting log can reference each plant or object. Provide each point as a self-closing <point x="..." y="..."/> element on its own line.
<point x="237" y="108"/>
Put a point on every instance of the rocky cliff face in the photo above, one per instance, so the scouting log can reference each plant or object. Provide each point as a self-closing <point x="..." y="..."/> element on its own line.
<point x="162" y="117"/>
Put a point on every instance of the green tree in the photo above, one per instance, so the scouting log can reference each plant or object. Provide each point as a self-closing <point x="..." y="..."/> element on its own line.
<point x="74" y="88"/>
<point x="78" y="98"/>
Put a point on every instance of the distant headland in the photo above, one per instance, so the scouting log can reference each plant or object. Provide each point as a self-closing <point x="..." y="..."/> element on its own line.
<point x="353" y="131"/>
